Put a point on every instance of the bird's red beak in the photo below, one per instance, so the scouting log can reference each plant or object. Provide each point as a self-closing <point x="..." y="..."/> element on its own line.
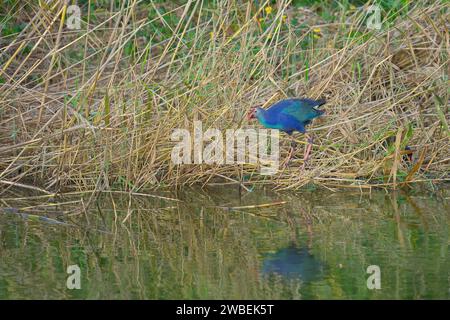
<point x="251" y="114"/>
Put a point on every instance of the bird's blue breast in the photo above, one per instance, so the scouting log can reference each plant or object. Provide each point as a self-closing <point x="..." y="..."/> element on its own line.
<point x="270" y="122"/>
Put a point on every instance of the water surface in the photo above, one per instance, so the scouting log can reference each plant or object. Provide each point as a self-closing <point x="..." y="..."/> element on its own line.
<point x="215" y="245"/>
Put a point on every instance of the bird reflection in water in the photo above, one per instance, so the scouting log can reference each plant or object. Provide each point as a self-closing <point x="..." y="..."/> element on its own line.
<point x="293" y="262"/>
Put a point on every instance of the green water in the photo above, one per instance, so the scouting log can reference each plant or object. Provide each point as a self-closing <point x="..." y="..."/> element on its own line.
<point x="317" y="245"/>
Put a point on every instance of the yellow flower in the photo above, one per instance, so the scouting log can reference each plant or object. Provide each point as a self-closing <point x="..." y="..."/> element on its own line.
<point x="352" y="7"/>
<point x="268" y="10"/>
<point x="211" y="34"/>
<point x="283" y="18"/>
<point x="317" y="33"/>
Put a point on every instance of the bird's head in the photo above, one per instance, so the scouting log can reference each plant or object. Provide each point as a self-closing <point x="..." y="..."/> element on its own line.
<point x="253" y="113"/>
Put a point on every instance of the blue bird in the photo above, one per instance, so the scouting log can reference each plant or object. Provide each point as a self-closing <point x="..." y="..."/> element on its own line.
<point x="290" y="115"/>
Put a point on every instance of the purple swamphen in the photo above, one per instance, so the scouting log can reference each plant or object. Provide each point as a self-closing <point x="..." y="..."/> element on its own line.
<point x="290" y="115"/>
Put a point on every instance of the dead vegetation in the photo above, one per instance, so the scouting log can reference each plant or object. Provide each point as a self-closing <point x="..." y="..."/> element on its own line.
<point x="94" y="109"/>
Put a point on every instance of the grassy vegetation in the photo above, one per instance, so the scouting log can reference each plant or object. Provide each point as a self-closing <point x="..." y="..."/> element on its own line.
<point x="94" y="108"/>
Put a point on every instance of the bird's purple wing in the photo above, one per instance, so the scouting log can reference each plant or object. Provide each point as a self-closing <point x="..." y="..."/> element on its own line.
<point x="311" y="103"/>
<point x="290" y="124"/>
<point x="304" y="110"/>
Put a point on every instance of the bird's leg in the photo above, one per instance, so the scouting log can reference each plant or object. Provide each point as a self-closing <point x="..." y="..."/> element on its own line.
<point x="291" y="151"/>
<point x="308" y="149"/>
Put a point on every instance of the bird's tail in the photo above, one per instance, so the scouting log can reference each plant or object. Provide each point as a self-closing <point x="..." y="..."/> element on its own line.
<point x="321" y="102"/>
<point x="319" y="112"/>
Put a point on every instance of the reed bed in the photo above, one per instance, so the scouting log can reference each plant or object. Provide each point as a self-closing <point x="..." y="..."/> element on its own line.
<point x="94" y="109"/>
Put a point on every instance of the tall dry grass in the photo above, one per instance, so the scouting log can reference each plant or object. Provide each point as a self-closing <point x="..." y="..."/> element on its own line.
<point x="94" y="109"/>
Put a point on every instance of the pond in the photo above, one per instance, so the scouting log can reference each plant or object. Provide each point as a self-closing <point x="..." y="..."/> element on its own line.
<point x="221" y="243"/>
